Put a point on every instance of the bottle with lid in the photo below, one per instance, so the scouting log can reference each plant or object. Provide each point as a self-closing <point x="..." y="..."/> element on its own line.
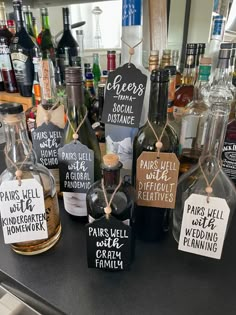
<point x="45" y="40"/>
<point x="28" y="20"/>
<point x="111" y="60"/>
<point x="194" y="119"/>
<point x="184" y="94"/>
<point x="67" y="41"/>
<point x="8" y="75"/>
<point x="153" y="60"/>
<point x="123" y="202"/>
<point x="166" y="58"/>
<point x="75" y="203"/>
<point x="152" y="223"/>
<point x="22" y="52"/>
<point x="42" y="213"/>
<point x="4" y="30"/>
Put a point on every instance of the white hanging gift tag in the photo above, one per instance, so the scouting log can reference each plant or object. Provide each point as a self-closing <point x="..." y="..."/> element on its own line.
<point x="204" y="226"/>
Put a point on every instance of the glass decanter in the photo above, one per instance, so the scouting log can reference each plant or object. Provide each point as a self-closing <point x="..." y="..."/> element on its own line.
<point x="19" y="155"/>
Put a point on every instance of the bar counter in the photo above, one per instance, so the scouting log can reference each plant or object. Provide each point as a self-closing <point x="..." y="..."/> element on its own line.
<point x="161" y="281"/>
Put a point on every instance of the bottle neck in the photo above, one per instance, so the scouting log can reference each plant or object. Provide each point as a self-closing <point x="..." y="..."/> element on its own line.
<point x="3" y="18"/>
<point x="216" y="130"/>
<point x="18" y="145"/>
<point x="158" y="102"/>
<point x="111" y="177"/>
<point x="202" y="86"/>
<point x="19" y="19"/>
<point x="189" y="73"/>
<point x="222" y="72"/>
<point x="75" y="100"/>
<point x="45" y="22"/>
<point x="66" y="20"/>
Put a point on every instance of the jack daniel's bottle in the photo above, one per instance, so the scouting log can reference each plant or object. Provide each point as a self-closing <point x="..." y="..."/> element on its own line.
<point x="22" y="49"/>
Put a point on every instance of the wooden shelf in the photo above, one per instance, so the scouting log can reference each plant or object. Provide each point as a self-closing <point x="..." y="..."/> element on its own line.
<point x="15" y="98"/>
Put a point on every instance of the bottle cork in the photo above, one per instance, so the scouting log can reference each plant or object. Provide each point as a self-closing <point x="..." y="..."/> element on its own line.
<point x="111" y="159"/>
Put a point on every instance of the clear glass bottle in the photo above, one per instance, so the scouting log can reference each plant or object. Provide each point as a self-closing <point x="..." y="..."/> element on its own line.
<point x="194" y="119"/>
<point x="123" y="202"/>
<point x="152" y="223"/>
<point x="75" y="203"/>
<point x="193" y="181"/>
<point x="96" y="69"/>
<point x="19" y="150"/>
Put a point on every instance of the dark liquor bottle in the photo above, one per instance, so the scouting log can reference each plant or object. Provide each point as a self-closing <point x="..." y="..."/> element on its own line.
<point x="44" y="39"/>
<point x="8" y="75"/>
<point x="152" y="223"/>
<point x="184" y="94"/>
<point x="28" y="20"/>
<point x="22" y="52"/>
<point x="122" y="205"/>
<point x="4" y="31"/>
<point x="67" y="40"/>
<point x="75" y="203"/>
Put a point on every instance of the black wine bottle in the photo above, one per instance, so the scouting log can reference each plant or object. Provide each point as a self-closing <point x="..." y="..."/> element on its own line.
<point x="22" y="51"/>
<point x="67" y="41"/>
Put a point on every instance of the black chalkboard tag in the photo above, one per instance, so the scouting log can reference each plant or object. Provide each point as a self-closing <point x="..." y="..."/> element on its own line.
<point x="108" y="244"/>
<point x="46" y="142"/>
<point x="124" y="96"/>
<point x="76" y="167"/>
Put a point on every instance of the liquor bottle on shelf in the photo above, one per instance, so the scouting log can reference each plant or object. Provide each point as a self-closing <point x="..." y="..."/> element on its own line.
<point x="111" y="60"/>
<point x="175" y="62"/>
<point x="119" y="139"/>
<point x="8" y="75"/>
<point x="153" y="60"/>
<point x="184" y="94"/>
<point x="87" y="68"/>
<point x="166" y="58"/>
<point x="67" y="41"/>
<point x="75" y="202"/>
<point x="217" y="35"/>
<point x="200" y="54"/>
<point x="22" y="49"/>
<point x="35" y="27"/>
<point x="31" y="181"/>
<point x="151" y="222"/>
<point x="207" y="188"/>
<point x="28" y="20"/>
<point x="31" y="112"/>
<point x="45" y="40"/>
<point x="4" y="31"/>
<point x="11" y="26"/>
<point x="96" y="70"/>
<point x="194" y="119"/>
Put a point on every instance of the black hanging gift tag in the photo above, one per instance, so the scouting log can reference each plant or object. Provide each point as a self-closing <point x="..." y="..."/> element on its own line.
<point x="124" y="96"/>
<point x="76" y="167"/>
<point x="46" y="142"/>
<point x="108" y="244"/>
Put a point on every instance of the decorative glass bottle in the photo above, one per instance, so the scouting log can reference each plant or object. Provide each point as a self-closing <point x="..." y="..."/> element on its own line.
<point x="194" y="181"/>
<point x="21" y="162"/>
<point x="152" y="223"/>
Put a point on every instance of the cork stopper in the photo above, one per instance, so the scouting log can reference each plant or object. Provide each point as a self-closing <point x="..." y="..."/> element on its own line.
<point x="110" y="160"/>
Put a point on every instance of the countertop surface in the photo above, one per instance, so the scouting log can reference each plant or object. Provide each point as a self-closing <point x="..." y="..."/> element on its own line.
<point x="161" y="281"/>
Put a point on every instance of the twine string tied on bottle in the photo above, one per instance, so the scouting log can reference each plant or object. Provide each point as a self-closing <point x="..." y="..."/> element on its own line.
<point x="107" y="209"/>
<point x="75" y="131"/>
<point x="158" y="144"/>
<point x="131" y="49"/>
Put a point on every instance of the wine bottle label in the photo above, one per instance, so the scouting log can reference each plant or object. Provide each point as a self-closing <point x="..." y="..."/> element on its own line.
<point x="192" y="131"/>
<point x="76" y="166"/>
<point x="204" y="226"/>
<point x="108" y="244"/>
<point x="125" y="92"/>
<point x="5" y="61"/>
<point x="46" y="142"/>
<point x="156" y="179"/>
<point x="23" y="68"/>
<point x="228" y="159"/>
<point x="23" y="215"/>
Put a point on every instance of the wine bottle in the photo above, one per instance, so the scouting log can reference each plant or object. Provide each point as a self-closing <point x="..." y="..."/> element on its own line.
<point x="45" y="39"/>
<point x="75" y="203"/>
<point x="28" y="20"/>
<point x="38" y="228"/>
<point x="22" y="52"/>
<point x="152" y="223"/>
<point x="67" y="41"/>
<point x="8" y="75"/>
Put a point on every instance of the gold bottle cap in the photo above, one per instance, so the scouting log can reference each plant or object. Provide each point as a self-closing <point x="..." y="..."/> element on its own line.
<point x="111" y="159"/>
<point x="205" y="60"/>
